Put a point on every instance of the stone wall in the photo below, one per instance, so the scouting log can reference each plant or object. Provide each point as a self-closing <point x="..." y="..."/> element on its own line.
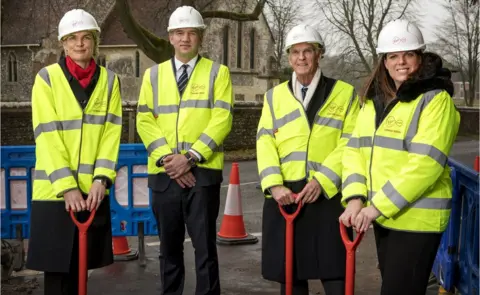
<point x="469" y="122"/>
<point x="16" y="127"/>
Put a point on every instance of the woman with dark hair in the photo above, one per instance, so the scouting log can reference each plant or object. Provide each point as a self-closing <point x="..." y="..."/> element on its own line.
<point x="395" y="171"/>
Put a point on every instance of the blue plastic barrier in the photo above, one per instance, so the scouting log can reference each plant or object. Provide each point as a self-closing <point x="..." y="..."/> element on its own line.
<point x="457" y="263"/>
<point x="130" y="196"/>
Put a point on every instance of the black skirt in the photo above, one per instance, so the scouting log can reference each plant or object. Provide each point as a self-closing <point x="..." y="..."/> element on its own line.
<point x="53" y="237"/>
<point x="319" y="252"/>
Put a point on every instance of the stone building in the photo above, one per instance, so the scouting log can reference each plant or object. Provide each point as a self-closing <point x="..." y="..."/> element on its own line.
<point x="29" y="42"/>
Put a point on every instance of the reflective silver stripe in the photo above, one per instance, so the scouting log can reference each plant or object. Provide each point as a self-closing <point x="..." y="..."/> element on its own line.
<point x="59" y="174"/>
<point x="104" y="163"/>
<point x="269" y="171"/>
<point x="223" y="105"/>
<point x="165" y="109"/>
<point x="294" y="156"/>
<point x="264" y="131"/>
<point x="332" y="175"/>
<point x="431" y="151"/>
<point x="208" y="141"/>
<point x="313" y="165"/>
<point x="270" y="104"/>
<point x="394" y="196"/>
<point x="94" y="119"/>
<point x="111" y="80"/>
<point x="213" y="77"/>
<point x="43" y="73"/>
<point x="330" y="122"/>
<point x="154" y="83"/>
<point x="413" y="147"/>
<point x="364" y="141"/>
<point x="85" y="168"/>
<point x="346" y="135"/>
<point x="432" y="203"/>
<point x="57" y="125"/>
<point x="143" y="108"/>
<point x="41" y="175"/>
<point x="195" y="103"/>
<point x="354" y="178"/>
<point x="156" y="144"/>
<point x="114" y="119"/>
<point x="184" y="146"/>
<point x="425" y="100"/>
<point x="390" y="143"/>
<point x="277" y="124"/>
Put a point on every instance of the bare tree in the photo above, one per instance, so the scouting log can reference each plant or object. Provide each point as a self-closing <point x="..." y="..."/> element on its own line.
<point x="354" y="26"/>
<point x="282" y="16"/>
<point x="459" y="38"/>
<point x="158" y="49"/>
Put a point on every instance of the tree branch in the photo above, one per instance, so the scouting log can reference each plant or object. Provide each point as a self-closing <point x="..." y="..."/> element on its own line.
<point x="235" y="15"/>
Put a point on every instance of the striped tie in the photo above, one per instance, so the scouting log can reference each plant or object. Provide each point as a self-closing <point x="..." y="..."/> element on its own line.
<point x="183" y="80"/>
<point x="304" y="92"/>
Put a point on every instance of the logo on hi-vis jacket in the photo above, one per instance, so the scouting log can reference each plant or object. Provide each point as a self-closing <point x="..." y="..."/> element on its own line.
<point x="197" y="89"/>
<point x="335" y="110"/>
<point x="393" y="125"/>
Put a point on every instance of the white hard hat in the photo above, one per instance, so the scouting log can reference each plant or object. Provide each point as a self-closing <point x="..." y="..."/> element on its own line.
<point x="185" y="17"/>
<point x="76" y="20"/>
<point x="302" y="34"/>
<point x="400" y="35"/>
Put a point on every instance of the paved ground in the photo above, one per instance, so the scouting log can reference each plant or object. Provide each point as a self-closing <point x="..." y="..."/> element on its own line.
<point x="239" y="265"/>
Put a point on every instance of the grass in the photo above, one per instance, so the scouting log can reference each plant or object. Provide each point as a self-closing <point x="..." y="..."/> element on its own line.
<point x="241" y="155"/>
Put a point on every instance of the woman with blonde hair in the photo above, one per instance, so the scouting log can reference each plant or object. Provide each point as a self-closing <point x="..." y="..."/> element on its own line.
<point x="77" y="122"/>
<point x="395" y="173"/>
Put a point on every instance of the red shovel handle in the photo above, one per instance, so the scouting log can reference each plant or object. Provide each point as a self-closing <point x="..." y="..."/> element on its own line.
<point x="351" y="246"/>
<point x="82" y="251"/>
<point x="289" y="245"/>
<point x="83" y="226"/>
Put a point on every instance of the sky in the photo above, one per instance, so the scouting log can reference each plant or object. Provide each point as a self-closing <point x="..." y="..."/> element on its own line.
<point x="429" y="12"/>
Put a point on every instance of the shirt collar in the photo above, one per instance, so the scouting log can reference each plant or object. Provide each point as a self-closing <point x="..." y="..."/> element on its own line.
<point x="191" y="63"/>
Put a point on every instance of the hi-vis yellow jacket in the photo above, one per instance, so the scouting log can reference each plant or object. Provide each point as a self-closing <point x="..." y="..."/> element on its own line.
<point x="401" y="166"/>
<point x="73" y="146"/>
<point x="289" y="150"/>
<point x="199" y="120"/>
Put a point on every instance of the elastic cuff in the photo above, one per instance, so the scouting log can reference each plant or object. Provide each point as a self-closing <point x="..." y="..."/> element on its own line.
<point x="201" y="159"/>
<point x="356" y="197"/>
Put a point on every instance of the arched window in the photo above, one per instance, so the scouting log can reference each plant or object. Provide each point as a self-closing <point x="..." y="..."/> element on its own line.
<point x="226" y="36"/>
<point x="12" y="67"/>
<point x="239" y="44"/>
<point x="137" y="64"/>
<point x="252" y="49"/>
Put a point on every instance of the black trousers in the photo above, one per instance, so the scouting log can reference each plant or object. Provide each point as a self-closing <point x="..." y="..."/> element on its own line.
<point x="60" y="283"/>
<point x="405" y="259"/>
<point x="331" y="287"/>
<point x="197" y="208"/>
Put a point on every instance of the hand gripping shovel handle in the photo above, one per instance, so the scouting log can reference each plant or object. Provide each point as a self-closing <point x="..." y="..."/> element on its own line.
<point x="350" y="246"/>
<point x="289" y="218"/>
<point x="82" y="251"/>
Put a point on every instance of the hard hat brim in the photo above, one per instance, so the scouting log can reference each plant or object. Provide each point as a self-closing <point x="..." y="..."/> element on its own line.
<point x="80" y="30"/>
<point x="202" y="27"/>
<point x="406" y="48"/>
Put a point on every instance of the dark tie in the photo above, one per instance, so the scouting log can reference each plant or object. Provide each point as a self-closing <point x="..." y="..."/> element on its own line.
<point x="183" y="80"/>
<point x="304" y="92"/>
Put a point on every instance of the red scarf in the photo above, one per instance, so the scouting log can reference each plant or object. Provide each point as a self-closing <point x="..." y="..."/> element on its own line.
<point x="84" y="76"/>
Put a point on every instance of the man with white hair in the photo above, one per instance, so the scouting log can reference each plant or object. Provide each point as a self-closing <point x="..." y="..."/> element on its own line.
<point x="304" y="127"/>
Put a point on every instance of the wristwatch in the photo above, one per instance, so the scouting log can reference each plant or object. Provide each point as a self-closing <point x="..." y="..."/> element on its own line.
<point x="191" y="160"/>
<point x="102" y="181"/>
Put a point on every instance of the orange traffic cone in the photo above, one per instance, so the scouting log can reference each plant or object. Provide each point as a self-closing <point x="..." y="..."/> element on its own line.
<point x="232" y="229"/>
<point x="121" y="251"/>
<point x="477" y="164"/>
